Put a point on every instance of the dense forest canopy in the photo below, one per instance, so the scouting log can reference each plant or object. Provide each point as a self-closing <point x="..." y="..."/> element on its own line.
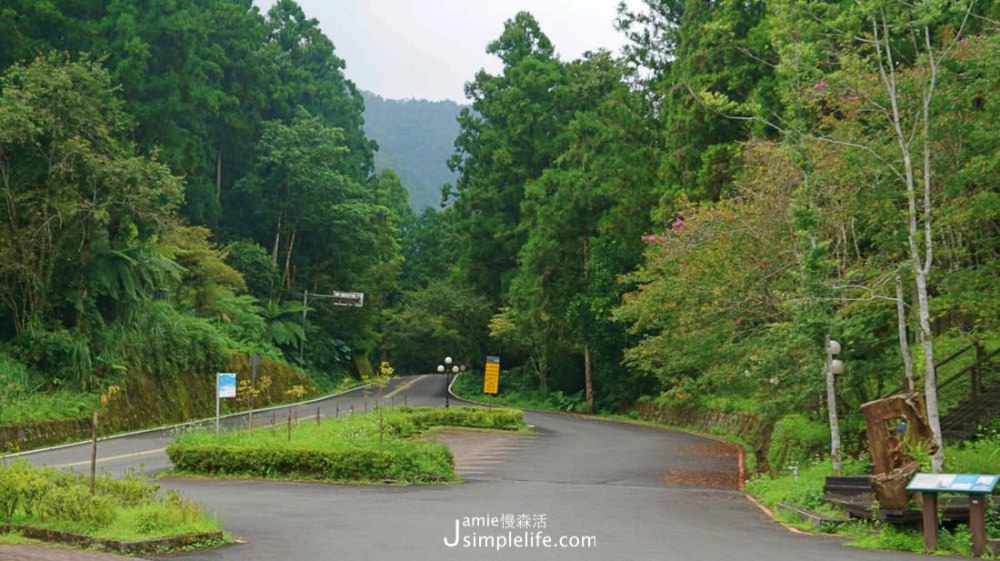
<point x="689" y="220"/>
<point x="205" y="154"/>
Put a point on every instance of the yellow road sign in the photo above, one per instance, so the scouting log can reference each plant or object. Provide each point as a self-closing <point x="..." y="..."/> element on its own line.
<point x="491" y="380"/>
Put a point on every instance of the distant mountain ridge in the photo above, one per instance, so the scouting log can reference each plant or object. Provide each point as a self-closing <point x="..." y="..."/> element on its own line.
<point x="415" y="137"/>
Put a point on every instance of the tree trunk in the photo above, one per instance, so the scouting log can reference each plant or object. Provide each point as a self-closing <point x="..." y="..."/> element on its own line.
<point x="904" y="344"/>
<point x="831" y="405"/>
<point x="287" y="275"/>
<point x="218" y="175"/>
<point x="277" y="241"/>
<point x="930" y="375"/>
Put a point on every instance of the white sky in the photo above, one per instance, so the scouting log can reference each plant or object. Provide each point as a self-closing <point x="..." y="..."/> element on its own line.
<point x="428" y="49"/>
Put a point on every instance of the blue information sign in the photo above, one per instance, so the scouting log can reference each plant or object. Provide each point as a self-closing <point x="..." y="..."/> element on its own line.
<point x="953" y="483"/>
<point x="227" y="384"/>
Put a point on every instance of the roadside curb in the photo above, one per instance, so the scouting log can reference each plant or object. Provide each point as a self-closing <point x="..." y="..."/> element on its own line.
<point x="122" y="547"/>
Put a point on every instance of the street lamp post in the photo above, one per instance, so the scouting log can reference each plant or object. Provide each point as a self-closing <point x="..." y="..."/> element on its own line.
<point x="448" y="368"/>
<point x="834" y="366"/>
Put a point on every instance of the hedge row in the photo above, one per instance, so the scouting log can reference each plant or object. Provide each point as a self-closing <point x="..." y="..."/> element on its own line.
<point x="403" y="462"/>
<point x="355" y="448"/>
<point x="415" y="420"/>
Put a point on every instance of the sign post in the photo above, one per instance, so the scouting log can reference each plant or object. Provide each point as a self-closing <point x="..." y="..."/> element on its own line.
<point x="491" y="377"/>
<point x="225" y="387"/>
<point x="976" y="486"/>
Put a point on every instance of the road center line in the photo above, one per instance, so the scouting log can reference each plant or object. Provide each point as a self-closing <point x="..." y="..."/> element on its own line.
<point x="110" y="458"/>
<point x="405" y="386"/>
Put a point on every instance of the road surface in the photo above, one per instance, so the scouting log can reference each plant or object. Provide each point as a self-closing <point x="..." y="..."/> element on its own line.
<point x="616" y="491"/>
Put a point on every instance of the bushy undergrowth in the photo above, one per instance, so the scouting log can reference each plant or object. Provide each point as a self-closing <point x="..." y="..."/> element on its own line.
<point x="36" y="407"/>
<point x="471" y="387"/>
<point x="806" y="490"/>
<point x="977" y="456"/>
<point x="350" y="448"/>
<point x="796" y="441"/>
<point x="128" y="508"/>
<point x="872" y="535"/>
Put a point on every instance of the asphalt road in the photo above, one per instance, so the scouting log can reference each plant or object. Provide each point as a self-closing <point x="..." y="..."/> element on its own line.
<point x="603" y="486"/>
<point x="145" y="451"/>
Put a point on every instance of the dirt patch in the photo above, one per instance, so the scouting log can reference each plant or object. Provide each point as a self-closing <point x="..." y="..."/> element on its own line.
<point x="701" y="479"/>
<point x="43" y="553"/>
<point x="713" y="449"/>
<point x="709" y="478"/>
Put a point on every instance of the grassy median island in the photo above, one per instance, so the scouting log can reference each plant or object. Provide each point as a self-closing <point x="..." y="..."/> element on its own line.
<point x="378" y="447"/>
<point x="125" y="515"/>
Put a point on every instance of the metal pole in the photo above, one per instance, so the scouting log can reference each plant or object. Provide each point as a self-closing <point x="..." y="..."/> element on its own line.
<point x="302" y="342"/>
<point x="217" y="407"/>
<point x="447" y="385"/>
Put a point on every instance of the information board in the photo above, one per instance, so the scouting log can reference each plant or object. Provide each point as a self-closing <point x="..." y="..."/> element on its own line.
<point x="491" y="379"/>
<point x="226" y="384"/>
<point x="953" y="483"/>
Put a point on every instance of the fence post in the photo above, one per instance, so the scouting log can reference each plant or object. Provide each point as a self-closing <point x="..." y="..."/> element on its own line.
<point x="93" y="452"/>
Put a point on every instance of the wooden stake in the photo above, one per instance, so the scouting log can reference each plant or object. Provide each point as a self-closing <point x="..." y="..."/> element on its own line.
<point x="93" y="453"/>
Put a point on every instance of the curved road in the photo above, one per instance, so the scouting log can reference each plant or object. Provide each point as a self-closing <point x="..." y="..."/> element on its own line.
<point x="618" y="491"/>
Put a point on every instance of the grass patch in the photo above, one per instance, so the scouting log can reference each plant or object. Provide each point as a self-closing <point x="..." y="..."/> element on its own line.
<point x="805" y="491"/>
<point x="977" y="456"/>
<point x="127" y="509"/>
<point x="15" y="538"/>
<point x="34" y="407"/>
<point x="372" y="448"/>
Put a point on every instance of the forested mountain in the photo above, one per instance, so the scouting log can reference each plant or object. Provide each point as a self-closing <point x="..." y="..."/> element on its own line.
<point x="183" y="172"/>
<point x="415" y="138"/>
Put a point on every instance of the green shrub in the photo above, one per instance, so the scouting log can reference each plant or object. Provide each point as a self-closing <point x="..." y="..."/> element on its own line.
<point x="890" y="537"/>
<point x="977" y="456"/>
<point x="796" y="441"/>
<point x="472" y="417"/>
<point x="342" y="449"/>
<point x="402" y="461"/>
<point x="805" y="491"/>
<point x="126" y="508"/>
<point x="75" y="503"/>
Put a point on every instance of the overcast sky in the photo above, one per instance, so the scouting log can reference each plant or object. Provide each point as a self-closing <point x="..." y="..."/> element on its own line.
<point x="428" y="49"/>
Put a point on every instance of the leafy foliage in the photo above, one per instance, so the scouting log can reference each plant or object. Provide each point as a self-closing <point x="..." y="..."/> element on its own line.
<point x="343" y="449"/>
<point x="128" y="508"/>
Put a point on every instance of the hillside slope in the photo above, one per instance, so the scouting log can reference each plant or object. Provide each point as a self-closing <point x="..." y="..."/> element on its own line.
<point x="415" y="139"/>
